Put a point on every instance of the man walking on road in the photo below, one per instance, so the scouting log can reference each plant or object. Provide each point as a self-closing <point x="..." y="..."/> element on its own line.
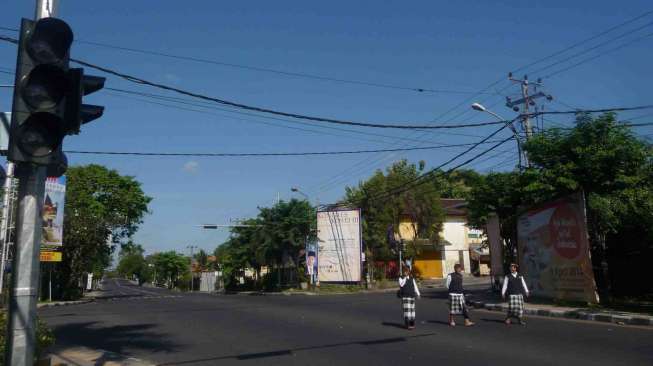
<point x="515" y="286"/>
<point x="457" y="304"/>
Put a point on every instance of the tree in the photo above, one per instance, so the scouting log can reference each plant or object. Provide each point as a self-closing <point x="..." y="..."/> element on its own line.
<point x="132" y="263"/>
<point x="170" y="268"/>
<point x="609" y="164"/>
<point x="103" y="209"/>
<point x="600" y="157"/>
<point x="420" y="204"/>
<point x="277" y="232"/>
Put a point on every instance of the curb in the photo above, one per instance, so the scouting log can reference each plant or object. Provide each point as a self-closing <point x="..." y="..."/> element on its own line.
<point x="304" y="293"/>
<point x="82" y="356"/>
<point x="63" y="303"/>
<point x="573" y="314"/>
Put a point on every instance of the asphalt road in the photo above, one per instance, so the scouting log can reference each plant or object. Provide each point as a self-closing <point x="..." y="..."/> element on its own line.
<point x="169" y="328"/>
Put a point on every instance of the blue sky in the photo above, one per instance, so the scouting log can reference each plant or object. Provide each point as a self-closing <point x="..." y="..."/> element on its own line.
<point x="420" y="44"/>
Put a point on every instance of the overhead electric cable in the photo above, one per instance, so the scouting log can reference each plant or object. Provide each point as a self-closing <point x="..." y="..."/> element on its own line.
<point x="198" y="154"/>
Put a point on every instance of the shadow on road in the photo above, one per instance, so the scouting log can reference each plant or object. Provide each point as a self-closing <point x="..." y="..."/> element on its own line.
<point x="395" y="325"/>
<point x="114" y="338"/>
<point x="291" y="351"/>
<point x="438" y="322"/>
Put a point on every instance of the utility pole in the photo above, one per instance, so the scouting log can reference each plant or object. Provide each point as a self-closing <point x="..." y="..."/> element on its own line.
<point x="526" y="101"/>
<point x="6" y="220"/>
<point x="191" y="247"/>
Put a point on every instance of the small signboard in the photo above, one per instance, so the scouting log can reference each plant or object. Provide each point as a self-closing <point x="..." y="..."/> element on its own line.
<point x="53" y="207"/>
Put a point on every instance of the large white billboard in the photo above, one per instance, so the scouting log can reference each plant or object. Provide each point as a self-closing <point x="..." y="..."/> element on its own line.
<point x="339" y="245"/>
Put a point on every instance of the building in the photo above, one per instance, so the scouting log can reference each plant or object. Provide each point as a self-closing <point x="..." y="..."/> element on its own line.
<point x="457" y="243"/>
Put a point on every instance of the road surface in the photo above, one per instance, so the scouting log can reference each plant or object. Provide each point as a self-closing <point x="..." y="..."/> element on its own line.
<point x="169" y="328"/>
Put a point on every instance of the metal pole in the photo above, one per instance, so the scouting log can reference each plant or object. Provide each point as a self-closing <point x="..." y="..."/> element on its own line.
<point x="401" y="246"/>
<point x="50" y="284"/>
<point x="46" y="8"/>
<point x="21" y="331"/>
<point x="21" y="337"/>
<point x="7" y="209"/>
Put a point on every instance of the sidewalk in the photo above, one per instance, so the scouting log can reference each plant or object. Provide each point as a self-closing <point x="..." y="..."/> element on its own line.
<point x="82" y="356"/>
<point x="493" y="302"/>
<point x="88" y="297"/>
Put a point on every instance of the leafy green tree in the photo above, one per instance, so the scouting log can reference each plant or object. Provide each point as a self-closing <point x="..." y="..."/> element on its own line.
<point x="103" y="209"/>
<point x="599" y="156"/>
<point x="277" y="232"/>
<point x="605" y="160"/>
<point x="132" y="263"/>
<point x="380" y="210"/>
<point x="170" y="268"/>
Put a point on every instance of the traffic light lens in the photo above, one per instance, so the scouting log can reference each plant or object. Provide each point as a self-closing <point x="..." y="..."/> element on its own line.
<point x="40" y="135"/>
<point x="44" y="87"/>
<point x="50" y="40"/>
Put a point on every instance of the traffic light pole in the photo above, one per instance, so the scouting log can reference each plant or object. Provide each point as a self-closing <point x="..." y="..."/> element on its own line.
<point x="21" y="335"/>
<point x="21" y="340"/>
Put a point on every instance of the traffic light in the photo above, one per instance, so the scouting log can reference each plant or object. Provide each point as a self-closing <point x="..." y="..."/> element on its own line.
<point x="48" y="95"/>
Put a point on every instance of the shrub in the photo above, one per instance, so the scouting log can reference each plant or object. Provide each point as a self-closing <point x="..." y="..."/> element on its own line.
<point x="44" y="337"/>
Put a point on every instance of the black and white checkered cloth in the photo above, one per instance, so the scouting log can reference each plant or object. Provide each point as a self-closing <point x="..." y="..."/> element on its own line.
<point x="516" y="305"/>
<point x="408" y="305"/>
<point x="456" y="304"/>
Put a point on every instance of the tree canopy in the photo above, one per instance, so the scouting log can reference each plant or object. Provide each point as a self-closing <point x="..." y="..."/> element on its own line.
<point x="103" y="209"/>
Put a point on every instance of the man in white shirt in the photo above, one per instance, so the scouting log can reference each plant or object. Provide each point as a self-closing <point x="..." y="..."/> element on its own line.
<point x="515" y="287"/>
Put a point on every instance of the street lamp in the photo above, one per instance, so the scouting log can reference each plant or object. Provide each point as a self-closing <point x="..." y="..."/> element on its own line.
<point x="481" y="108"/>
<point x="296" y="190"/>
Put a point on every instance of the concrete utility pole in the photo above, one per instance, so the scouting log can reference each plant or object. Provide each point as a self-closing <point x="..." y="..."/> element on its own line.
<point x="21" y="334"/>
<point x="527" y="100"/>
<point x="21" y="338"/>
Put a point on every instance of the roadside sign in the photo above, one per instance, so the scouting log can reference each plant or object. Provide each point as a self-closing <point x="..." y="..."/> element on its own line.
<point x="53" y="209"/>
<point x="50" y="256"/>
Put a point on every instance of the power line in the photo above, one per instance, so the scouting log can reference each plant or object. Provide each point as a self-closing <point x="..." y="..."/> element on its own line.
<point x="275" y="71"/>
<point x="265" y="69"/>
<point x="437" y="170"/>
<point x="586" y="40"/>
<point x="424" y="176"/>
<point x="585" y="51"/>
<point x="599" y="55"/>
<point x="210" y="105"/>
<point x="141" y="81"/>
<point x="603" y="110"/>
<point x="275" y="112"/>
<point x="346" y="152"/>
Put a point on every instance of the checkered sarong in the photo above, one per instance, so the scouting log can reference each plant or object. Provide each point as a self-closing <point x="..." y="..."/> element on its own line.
<point x="456" y="304"/>
<point x="408" y="306"/>
<point x="516" y="305"/>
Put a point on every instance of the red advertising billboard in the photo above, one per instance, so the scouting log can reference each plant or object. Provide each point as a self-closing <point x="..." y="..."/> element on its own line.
<point x="554" y="253"/>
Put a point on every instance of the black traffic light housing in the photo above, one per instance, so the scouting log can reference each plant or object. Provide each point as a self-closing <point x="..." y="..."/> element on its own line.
<point x="48" y="95"/>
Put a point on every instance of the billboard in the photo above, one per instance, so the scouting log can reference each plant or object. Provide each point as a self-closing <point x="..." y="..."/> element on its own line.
<point x="53" y="206"/>
<point x="339" y="245"/>
<point x="554" y="251"/>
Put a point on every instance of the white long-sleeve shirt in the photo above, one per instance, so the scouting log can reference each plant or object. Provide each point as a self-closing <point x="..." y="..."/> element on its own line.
<point x="402" y="282"/>
<point x="505" y="284"/>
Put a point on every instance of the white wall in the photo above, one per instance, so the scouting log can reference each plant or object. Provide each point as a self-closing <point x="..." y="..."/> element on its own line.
<point x="454" y="232"/>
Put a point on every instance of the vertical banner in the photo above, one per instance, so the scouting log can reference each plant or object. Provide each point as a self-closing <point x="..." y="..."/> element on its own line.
<point x="493" y="230"/>
<point x="554" y="250"/>
<point x="311" y="260"/>
<point x="53" y="207"/>
<point x="339" y="245"/>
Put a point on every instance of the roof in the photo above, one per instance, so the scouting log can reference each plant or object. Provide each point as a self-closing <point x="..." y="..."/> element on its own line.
<point x="454" y="206"/>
